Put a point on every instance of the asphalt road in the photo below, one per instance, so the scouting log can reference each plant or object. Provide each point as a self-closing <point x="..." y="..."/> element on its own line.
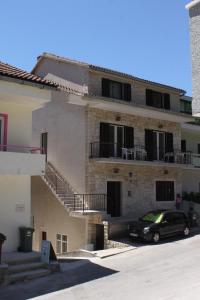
<point x="168" y="271"/>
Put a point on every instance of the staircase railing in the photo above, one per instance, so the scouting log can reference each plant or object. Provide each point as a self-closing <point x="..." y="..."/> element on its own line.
<point x="90" y="202"/>
<point x="75" y="201"/>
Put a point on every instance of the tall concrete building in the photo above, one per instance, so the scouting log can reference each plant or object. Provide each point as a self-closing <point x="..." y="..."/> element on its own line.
<point x="194" y="12"/>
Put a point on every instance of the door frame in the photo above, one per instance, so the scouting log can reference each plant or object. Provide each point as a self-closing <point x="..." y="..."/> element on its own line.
<point x="120" y="196"/>
<point x="115" y="137"/>
<point x="158" y="144"/>
<point x="44" y="150"/>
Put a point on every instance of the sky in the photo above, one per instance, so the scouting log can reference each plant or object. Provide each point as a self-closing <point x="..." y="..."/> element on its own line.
<point x="147" y="39"/>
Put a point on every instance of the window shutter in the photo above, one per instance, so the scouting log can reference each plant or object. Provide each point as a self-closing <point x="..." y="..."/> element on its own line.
<point x="158" y="190"/>
<point x="128" y="137"/>
<point x="149" y="145"/>
<point x="104" y="140"/>
<point x="183" y="145"/>
<point x="127" y="92"/>
<point x="198" y="148"/>
<point x="166" y="101"/>
<point x="169" y="142"/>
<point x="105" y="87"/>
<point x="149" y="98"/>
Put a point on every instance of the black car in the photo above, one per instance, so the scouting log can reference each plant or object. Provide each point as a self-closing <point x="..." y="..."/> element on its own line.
<point x="160" y="223"/>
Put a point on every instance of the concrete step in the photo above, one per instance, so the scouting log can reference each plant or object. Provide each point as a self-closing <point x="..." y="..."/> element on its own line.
<point x="28" y="275"/>
<point x="24" y="260"/>
<point x="25" y="267"/>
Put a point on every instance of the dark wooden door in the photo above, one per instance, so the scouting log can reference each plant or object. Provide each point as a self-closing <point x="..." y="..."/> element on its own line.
<point x="99" y="237"/>
<point x="114" y="198"/>
<point x="44" y="143"/>
<point x="44" y="236"/>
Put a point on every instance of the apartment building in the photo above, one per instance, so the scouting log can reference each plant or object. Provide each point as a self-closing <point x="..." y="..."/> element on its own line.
<point x="119" y="146"/>
<point x="194" y="13"/>
<point x="20" y="94"/>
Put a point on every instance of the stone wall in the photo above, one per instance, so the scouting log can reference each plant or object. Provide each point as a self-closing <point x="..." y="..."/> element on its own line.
<point x="95" y="116"/>
<point x="138" y="89"/>
<point x="141" y="185"/>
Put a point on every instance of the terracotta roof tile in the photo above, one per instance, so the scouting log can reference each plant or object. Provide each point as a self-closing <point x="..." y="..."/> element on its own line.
<point x="13" y="72"/>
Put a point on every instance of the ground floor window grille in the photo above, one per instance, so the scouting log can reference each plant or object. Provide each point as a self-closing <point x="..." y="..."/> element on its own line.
<point x="61" y="244"/>
<point x="164" y="190"/>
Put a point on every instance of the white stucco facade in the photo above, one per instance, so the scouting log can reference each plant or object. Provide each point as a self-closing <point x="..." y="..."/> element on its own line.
<point x="66" y="127"/>
<point x="18" y="160"/>
<point x="15" y="208"/>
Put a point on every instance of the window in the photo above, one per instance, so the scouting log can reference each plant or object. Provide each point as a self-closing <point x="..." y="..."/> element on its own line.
<point x="157" y="99"/>
<point x="183" y="145"/>
<point x="186" y="106"/>
<point x="115" y="89"/>
<point x="164" y="190"/>
<point x="157" y="144"/>
<point x="61" y="244"/>
<point x="113" y="138"/>
<point x="198" y="148"/>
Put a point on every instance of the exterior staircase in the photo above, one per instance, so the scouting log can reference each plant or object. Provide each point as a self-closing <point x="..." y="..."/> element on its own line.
<point x="68" y="197"/>
<point x="26" y="269"/>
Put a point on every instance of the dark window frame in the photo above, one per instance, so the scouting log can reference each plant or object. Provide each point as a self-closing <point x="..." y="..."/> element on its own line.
<point x="163" y="103"/>
<point x="165" y="190"/>
<point x="198" y="148"/>
<point x="108" y="86"/>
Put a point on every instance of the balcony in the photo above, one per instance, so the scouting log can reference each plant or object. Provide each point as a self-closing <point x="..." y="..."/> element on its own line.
<point x="21" y="160"/>
<point x="112" y="152"/>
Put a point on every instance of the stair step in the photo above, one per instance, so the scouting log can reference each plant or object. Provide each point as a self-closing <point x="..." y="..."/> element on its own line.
<point x="28" y="275"/>
<point x="22" y="261"/>
<point x="25" y="267"/>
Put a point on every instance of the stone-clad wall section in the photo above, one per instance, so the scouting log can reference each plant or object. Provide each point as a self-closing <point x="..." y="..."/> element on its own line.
<point x="142" y="183"/>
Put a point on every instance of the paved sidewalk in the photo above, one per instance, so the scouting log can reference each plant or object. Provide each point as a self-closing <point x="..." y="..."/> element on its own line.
<point x="113" y="251"/>
<point x="71" y="274"/>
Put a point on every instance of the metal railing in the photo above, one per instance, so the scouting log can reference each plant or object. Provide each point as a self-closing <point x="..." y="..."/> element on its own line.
<point x="75" y="201"/>
<point x="139" y="152"/>
<point x="20" y="149"/>
<point x="84" y="202"/>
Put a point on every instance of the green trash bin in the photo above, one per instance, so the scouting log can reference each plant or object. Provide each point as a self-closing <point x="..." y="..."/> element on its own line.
<point x="26" y="239"/>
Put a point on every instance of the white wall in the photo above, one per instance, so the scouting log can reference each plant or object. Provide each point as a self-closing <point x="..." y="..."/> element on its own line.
<point x="192" y="139"/>
<point x="15" y="210"/>
<point x="65" y="124"/>
<point x="12" y="163"/>
<point x="66" y="70"/>
<point x="191" y="180"/>
<point x="19" y="123"/>
<point x="50" y="216"/>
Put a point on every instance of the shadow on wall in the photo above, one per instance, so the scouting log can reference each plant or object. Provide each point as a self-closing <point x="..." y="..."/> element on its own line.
<point x="88" y="271"/>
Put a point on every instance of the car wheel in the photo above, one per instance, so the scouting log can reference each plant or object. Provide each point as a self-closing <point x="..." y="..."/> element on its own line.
<point x="186" y="231"/>
<point x="156" y="237"/>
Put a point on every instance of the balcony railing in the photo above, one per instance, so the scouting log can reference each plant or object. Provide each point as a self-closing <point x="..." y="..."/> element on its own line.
<point x="20" y="149"/>
<point x="139" y="153"/>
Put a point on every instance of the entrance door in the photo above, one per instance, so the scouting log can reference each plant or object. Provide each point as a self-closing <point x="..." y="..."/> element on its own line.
<point x="114" y="198"/>
<point x="44" y="143"/>
<point x="99" y="237"/>
<point x="44" y="236"/>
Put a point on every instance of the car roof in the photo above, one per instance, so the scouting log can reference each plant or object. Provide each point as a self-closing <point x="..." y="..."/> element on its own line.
<point x="165" y="211"/>
<point x="157" y="211"/>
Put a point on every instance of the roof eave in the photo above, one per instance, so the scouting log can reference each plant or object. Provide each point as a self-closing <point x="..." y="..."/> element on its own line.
<point x="192" y="3"/>
<point x="27" y="82"/>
